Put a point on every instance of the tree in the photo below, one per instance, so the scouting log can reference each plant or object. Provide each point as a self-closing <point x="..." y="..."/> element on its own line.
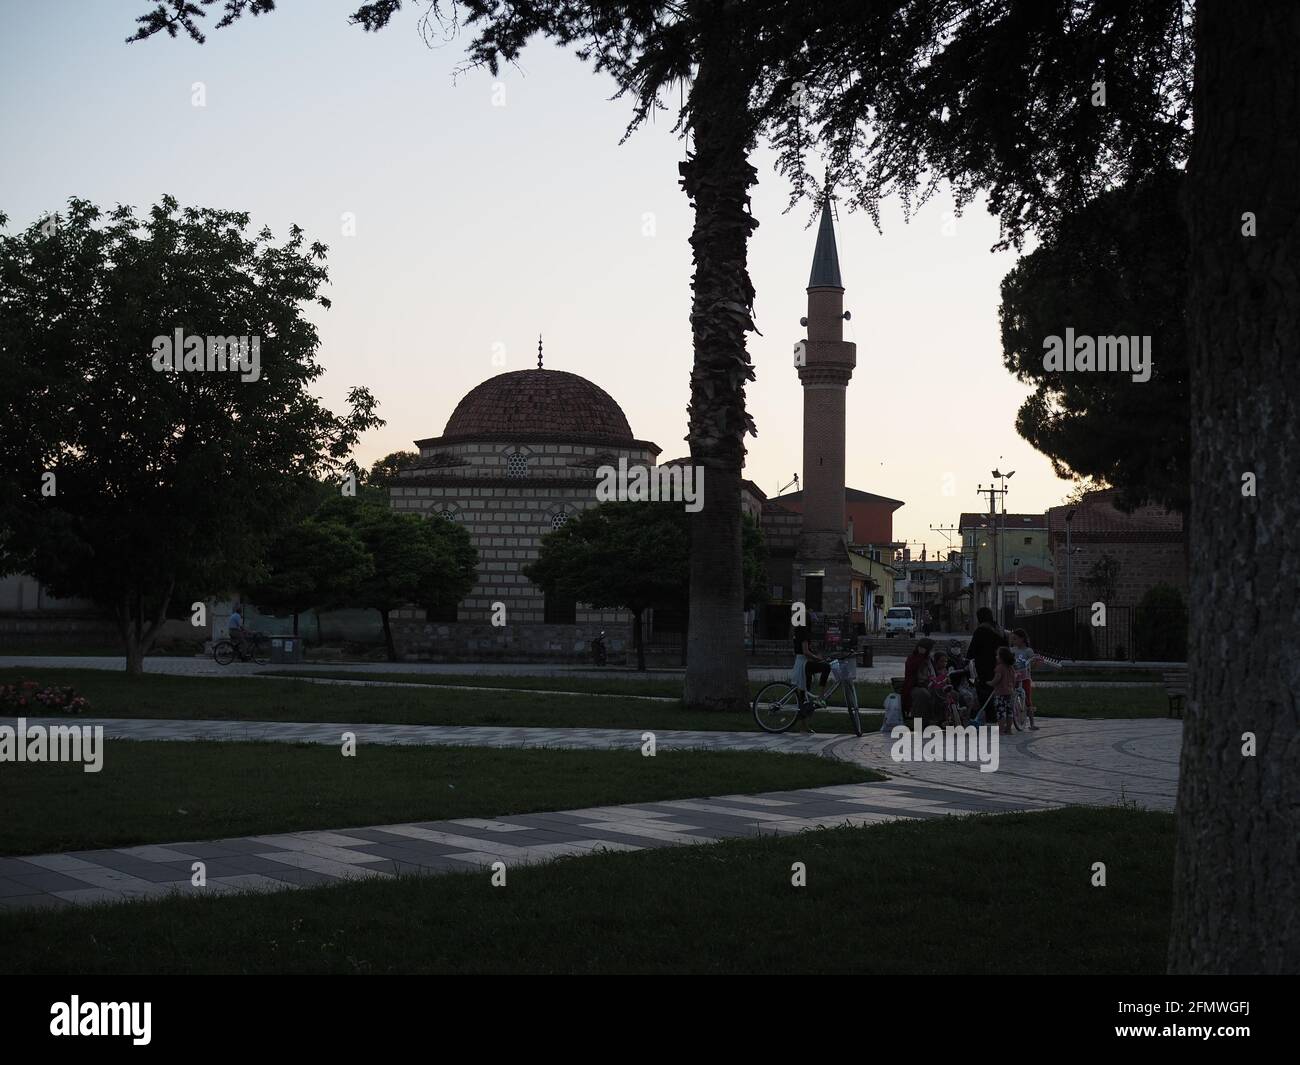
<point x="384" y="472"/>
<point x="313" y="564"/>
<point x="629" y="556"/>
<point x="138" y="487"/>
<point x="428" y="563"/>
<point x="1002" y="101"/>
<point x="634" y="557"/>
<point x="1117" y="267"/>
<point x="1102" y="577"/>
<point x="1237" y="868"/>
<point x="746" y="70"/>
<point x="1161" y="625"/>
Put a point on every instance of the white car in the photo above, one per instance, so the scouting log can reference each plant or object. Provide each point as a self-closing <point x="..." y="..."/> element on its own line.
<point x="899" y="621"/>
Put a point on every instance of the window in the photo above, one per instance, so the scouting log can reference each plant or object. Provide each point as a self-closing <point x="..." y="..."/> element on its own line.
<point x="517" y="465"/>
<point x="559" y="610"/>
<point x="449" y="514"/>
<point x="559" y="520"/>
<point x="813" y="593"/>
<point x="1029" y="541"/>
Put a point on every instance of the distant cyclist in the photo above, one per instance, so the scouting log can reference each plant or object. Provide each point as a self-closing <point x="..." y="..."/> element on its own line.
<point x="235" y="625"/>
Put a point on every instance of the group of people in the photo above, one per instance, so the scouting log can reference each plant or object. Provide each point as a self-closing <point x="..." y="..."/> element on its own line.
<point x="941" y="687"/>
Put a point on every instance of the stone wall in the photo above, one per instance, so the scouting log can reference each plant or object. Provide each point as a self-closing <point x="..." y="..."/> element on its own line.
<point x="1142" y="564"/>
<point x="481" y="642"/>
<point x="508" y="496"/>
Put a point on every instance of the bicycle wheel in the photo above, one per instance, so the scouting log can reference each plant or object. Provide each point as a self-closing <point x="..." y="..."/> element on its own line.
<point x="855" y="715"/>
<point x="224" y="652"/>
<point x="261" y="652"/>
<point x="776" y="707"/>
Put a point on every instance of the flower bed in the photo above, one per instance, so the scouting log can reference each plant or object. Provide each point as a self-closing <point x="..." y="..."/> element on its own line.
<point x="27" y="697"/>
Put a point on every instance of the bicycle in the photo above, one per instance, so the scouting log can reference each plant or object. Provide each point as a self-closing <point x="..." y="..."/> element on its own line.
<point x="776" y="706"/>
<point x="255" y="647"/>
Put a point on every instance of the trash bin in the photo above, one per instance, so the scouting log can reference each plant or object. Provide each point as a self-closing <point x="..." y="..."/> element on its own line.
<point x="866" y="654"/>
<point x="286" y="649"/>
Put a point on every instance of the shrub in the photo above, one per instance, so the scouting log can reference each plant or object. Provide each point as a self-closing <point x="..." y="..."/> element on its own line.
<point x="1162" y="625"/>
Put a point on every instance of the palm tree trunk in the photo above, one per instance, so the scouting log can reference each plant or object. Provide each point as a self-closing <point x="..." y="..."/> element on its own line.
<point x="1237" y="867"/>
<point x="717" y="178"/>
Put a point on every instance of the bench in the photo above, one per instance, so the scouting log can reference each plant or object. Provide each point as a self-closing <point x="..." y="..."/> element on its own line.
<point x="1176" y="689"/>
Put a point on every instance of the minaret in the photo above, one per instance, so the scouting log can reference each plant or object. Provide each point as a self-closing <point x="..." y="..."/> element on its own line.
<point x="825" y="362"/>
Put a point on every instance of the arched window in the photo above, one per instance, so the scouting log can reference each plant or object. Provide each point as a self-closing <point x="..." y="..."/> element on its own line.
<point x="517" y="465"/>
<point x="559" y="520"/>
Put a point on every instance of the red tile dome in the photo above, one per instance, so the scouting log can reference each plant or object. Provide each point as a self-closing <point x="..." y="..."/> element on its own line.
<point x="549" y="403"/>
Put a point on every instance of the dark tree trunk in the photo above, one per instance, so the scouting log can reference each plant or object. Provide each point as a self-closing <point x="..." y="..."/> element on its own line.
<point x="638" y="638"/>
<point x="1237" y="871"/>
<point x="717" y="177"/>
<point x="388" y="637"/>
<point x="137" y="630"/>
<point x="295" y="623"/>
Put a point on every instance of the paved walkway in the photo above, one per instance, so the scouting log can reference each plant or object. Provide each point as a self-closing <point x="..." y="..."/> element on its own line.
<point x="311" y="859"/>
<point x="205" y="667"/>
<point x="1067" y="761"/>
<point x="331" y="733"/>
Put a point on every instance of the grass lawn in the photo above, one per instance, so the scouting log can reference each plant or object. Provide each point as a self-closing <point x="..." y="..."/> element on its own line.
<point x="154" y="695"/>
<point x="908" y="897"/>
<point x="157" y="695"/>
<point x="159" y="792"/>
<point x="1058" y="702"/>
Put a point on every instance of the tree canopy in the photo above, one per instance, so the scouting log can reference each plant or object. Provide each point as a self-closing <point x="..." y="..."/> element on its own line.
<point x="632" y="556"/>
<point x="429" y="563"/>
<point x="139" y="487"/>
<point x="1117" y="267"/>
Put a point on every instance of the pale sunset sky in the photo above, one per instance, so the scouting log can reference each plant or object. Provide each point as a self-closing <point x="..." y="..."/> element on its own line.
<point x="480" y="225"/>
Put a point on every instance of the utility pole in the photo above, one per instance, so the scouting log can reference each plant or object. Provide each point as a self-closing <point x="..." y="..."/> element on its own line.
<point x="944" y="531"/>
<point x="991" y="491"/>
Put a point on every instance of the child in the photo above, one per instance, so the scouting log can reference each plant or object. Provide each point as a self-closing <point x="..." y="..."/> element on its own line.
<point x="942" y="688"/>
<point x="1004" y="687"/>
<point x="1026" y="659"/>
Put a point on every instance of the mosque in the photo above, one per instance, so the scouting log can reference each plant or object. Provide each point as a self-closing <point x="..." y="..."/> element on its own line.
<point x="518" y="458"/>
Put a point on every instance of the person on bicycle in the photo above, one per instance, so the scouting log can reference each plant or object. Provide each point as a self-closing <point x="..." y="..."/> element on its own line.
<point x="235" y="626"/>
<point x="808" y="664"/>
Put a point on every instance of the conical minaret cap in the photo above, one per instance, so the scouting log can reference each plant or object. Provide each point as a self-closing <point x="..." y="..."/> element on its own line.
<point x="826" y="258"/>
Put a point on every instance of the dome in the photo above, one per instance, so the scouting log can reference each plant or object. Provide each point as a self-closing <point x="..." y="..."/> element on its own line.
<point x="550" y="403"/>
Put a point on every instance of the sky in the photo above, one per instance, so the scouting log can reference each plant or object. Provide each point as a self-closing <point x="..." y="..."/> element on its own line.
<point x="487" y="211"/>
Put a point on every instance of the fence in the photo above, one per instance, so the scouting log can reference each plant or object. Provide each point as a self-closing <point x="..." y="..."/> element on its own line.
<point x="1070" y="633"/>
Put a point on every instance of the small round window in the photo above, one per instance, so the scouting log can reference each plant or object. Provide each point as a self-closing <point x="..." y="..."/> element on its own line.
<point x="517" y="465"/>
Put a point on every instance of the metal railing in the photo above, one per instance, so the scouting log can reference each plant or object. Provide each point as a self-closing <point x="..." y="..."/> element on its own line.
<point x="1071" y="633"/>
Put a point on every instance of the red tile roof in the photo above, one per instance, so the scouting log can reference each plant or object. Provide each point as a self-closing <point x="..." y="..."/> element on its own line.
<point x="1097" y="514"/>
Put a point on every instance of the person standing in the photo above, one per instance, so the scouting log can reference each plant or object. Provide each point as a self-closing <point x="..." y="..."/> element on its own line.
<point x="983" y="654"/>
